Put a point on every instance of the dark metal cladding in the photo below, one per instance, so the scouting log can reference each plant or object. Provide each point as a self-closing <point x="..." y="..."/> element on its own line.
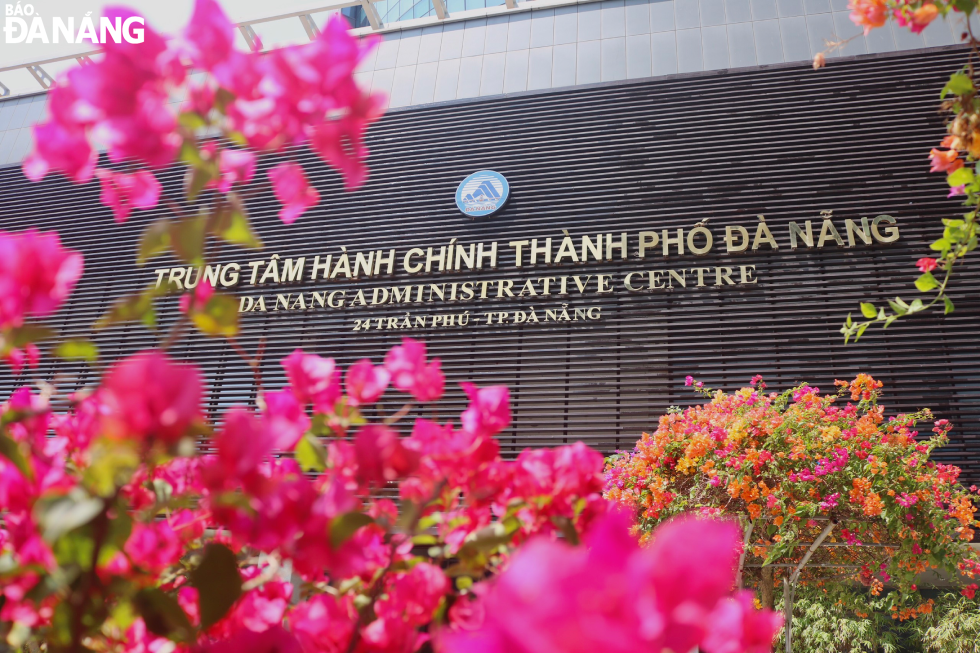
<point x="785" y="141"/>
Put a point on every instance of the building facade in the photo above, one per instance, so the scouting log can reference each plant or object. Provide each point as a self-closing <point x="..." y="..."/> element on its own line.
<point x="661" y="222"/>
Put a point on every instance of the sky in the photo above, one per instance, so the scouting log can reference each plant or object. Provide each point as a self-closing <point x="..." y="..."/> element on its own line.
<point x="166" y="16"/>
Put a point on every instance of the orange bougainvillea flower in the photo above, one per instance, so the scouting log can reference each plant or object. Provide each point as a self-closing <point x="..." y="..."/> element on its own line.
<point x="863" y="387"/>
<point x="788" y="462"/>
<point x="945" y="161"/>
<point x="868" y="13"/>
<point x="925" y="14"/>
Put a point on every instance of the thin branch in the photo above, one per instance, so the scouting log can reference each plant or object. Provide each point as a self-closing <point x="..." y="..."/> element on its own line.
<point x="816" y="544"/>
<point x="741" y="558"/>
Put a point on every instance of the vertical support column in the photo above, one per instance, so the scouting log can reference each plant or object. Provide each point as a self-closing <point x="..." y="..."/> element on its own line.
<point x="788" y="590"/>
<point x="309" y="25"/>
<point x="251" y="38"/>
<point x="372" y="14"/>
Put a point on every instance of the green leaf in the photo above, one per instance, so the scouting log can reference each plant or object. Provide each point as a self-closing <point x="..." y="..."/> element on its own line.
<point x="189" y="153"/>
<point x="868" y="310"/>
<point x="10" y="450"/>
<point x="489" y="538"/>
<point x="949" y="305"/>
<point x="219" y="317"/>
<point x="310" y="454"/>
<point x="861" y="330"/>
<point x="344" y="526"/>
<point x="163" y="615"/>
<point x="131" y="308"/>
<point x="222" y="98"/>
<point x="123" y="614"/>
<point x="232" y="225"/>
<point x="567" y="528"/>
<point x="26" y="334"/>
<point x="74" y="549"/>
<point x="915" y="306"/>
<point x="85" y="350"/>
<point x="960" y="177"/>
<point x="197" y="178"/>
<point x="940" y="245"/>
<point x="192" y="121"/>
<point x="958" y="84"/>
<point x="62" y="514"/>
<point x="112" y="465"/>
<point x="154" y="241"/>
<point x="926" y="282"/>
<point x="187" y="239"/>
<point x="218" y="582"/>
<point x="900" y="309"/>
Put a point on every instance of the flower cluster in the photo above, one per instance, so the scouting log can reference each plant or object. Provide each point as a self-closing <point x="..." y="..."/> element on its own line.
<point x="266" y="101"/>
<point x="673" y="595"/>
<point x="188" y="548"/>
<point x="790" y="463"/>
<point x="914" y="14"/>
<point x="954" y="156"/>
<point x="36" y="276"/>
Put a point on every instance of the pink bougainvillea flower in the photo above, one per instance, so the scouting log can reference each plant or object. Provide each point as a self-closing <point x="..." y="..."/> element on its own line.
<point x="237" y="167"/>
<point x="147" y="135"/>
<point x="341" y="142"/>
<point x="257" y="610"/>
<point x="694" y="570"/>
<point x="60" y="147"/>
<point x="489" y="411"/>
<point x="285" y="418"/>
<point x="153" y="547"/>
<point x="275" y="639"/>
<point x="210" y="35"/>
<point x="150" y="397"/>
<point x="292" y="190"/>
<point x="124" y="192"/>
<point x="36" y="275"/>
<point x="414" y="595"/>
<point x="736" y="626"/>
<point x="243" y="443"/>
<point x="610" y="595"/>
<point x="17" y="357"/>
<point x="365" y="382"/>
<point x="868" y="13"/>
<point x="945" y="161"/>
<point x="381" y="455"/>
<point x="200" y="99"/>
<point x="313" y="379"/>
<point x="324" y="622"/>
<point x="926" y="264"/>
<point x="918" y="19"/>
<point x="955" y="191"/>
<point x="198" y="299"/>
<point x="410" y="373"/>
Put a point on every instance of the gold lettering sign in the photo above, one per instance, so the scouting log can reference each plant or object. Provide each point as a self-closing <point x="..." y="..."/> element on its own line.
<point x="563" y="297"/>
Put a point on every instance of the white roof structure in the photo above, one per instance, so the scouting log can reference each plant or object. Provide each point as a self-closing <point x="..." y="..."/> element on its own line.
<point x="31" y="67"/>
<point x="466" y="49"/>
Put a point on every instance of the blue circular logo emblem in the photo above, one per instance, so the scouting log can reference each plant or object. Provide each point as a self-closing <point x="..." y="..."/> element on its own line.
<point x="482" y="193"/>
